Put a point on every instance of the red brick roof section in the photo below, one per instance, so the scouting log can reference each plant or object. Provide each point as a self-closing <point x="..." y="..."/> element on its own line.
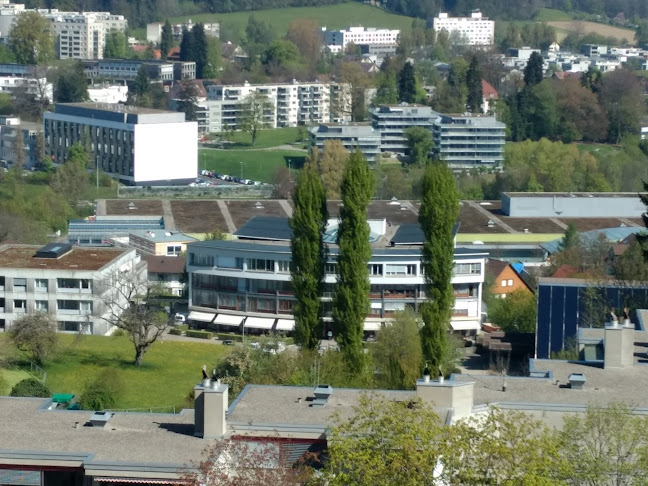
<point x="488" y="91"/>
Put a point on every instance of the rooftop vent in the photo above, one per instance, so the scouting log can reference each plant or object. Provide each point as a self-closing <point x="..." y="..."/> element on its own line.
<point x="322" y="394"/>
<point x="491" y="223"/>
<point x="53" y="250"/>
<point x="258" y="205"/>
<point x="100" y="419"/>
<point x="131" y="206"/>
<point x="577" y="381"/>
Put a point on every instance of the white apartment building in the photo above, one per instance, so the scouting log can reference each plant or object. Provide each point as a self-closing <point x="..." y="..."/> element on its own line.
<point x="138" y="146"/>
<point x="108" y="94"/>
<point x="68" y="282"/>
<point x="39" y="87"/>
<point x="478" y="30"/>
<point x="337" y="40"/>
<point x="154" y="30"/>
<point x="293" y="104"/>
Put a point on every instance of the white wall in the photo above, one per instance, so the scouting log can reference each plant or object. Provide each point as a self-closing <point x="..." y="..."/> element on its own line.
<point x="166" y="151"/>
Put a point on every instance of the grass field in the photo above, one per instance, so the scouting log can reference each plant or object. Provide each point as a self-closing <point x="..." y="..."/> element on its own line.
<point x="167" y="375"/>
<point x="331" y="16"/>
<point x="258" y="165"/>
<point x="11" y="377"/>
<point x="265" y="138"/>
<point x="584" y="27"/>
<point x="598" y="149"/>
<point x="551" y="15"/>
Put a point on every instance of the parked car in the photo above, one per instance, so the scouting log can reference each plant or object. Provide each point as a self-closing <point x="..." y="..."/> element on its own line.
<point x="179" y="319"/>
<point x="228" y="342"/>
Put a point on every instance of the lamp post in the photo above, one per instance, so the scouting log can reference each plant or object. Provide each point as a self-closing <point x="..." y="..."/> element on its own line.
<point x="241" y="162"/>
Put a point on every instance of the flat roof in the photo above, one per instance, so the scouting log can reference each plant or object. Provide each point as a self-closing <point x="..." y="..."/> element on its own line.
<point x="572" y="194"/>
<point x="163" y="236"/>
<point x="116" y="108"/>
<point x="23" y="256"/>
<point x="128" y="438"/>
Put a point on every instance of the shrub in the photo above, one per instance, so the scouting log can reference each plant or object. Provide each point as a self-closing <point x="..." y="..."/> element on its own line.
<point x="103" y="392"/>
<point x="232" y="337"/>
<point x="118" y="333"/>
<point x="200" y="334"/>
<point x="30" y="387"/>
<point x="176" y="332"/>
<point x="35" y="334"/>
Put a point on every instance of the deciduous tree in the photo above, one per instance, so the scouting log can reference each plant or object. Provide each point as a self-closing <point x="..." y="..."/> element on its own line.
<point x="351" y="299"/>
<point x="70" y="180"/>
<point x="331" y="163"/>
<point x="309" y="253"/>
<point x="516" y="313"/>
<point x="187" y="99"/>
<point x="71" y="85"/>
<point x="307" y="36"/>
<point x="254" y="114"/>
<point x="35" y="334"/>
<point x="116" y="46"/>
<point x="31" y="39"/>
<point x="419" y="144"/>
<point x="437" y="217"/>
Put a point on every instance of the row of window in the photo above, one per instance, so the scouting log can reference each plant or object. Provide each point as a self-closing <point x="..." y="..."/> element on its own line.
<point x="62" y="306"/>
<point x="41" y="284"/>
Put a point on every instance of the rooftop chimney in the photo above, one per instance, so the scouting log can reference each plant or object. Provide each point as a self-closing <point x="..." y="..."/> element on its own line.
<point x="100" y="419"/>
<point x="456" y="396"/>
<point x="322" y="394"/>
<point x="210" y="407"/>
<point x="619" y="342"/>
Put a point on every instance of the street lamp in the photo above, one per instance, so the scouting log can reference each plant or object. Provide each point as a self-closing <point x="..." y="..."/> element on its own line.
<point x="241" y="162"/>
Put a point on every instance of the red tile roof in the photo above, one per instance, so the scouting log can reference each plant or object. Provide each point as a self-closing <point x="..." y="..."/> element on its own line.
<point x="488" y="91"/>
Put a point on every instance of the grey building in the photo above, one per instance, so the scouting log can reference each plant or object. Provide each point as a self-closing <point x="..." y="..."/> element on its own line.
<point x="139" y="146"/>
<point x="126" y="69"/>
<point x="10" y="130"/>
<point x="466" y="141"/>
<point x="572" y="205"/>
<point x="69" y="283"/>
<point x="392" y="120"/>
<point x="352" y="136"/>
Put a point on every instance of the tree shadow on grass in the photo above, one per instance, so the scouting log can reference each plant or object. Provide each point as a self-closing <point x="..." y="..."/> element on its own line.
<point x="295" y="161"/>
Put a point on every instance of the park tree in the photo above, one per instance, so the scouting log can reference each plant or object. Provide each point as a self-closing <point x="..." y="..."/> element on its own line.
<point x="130" y="303"/>
<point x="618" y="95"/>
<point x="71" y="85"/>
<point x="437" y="217"/>
<point x="187" y="99"/>
<point x="166" y="40"/>
<point x="516" y="313"/>
<point x="359" y="81"/>
<point x="331" y="163"/>
<point x="115" y="46"/>
<point x="419" y="144"/>
<point x="351" y="299"/>
<point x="397" y="354"/>
<point x="31" y="39"/>
<point x="407" y="84"/>
<point x="533" y="70"/>
<point x="474" y="86"/>
<point x="70" y="180"/>
<point x="253" y="114"/>
<point x="307" y="36"/>
<point x="385" y="442"/>
<point x="309" y="254"/>
<point x="35" y="334"/>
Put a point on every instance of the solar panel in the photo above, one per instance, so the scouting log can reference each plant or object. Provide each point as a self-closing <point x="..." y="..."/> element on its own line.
<point x="266" y="228"/>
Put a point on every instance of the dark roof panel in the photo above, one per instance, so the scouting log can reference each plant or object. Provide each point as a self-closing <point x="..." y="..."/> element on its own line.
<point x="266" y="228"/>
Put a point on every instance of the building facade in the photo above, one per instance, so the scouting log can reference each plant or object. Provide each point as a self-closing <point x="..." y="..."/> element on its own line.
<point x="124" y="70"/>
<point x="154" y="30"/>
<point x="353" y="136"/>
<point x="160" y="243"/>
<point x="69" y="283"/>
<point x="125" y="141"/>
<point x="11" y="131"/>
<point x="337" y="40"/>
<point x="392" y="120"/>
<point x="476" y="30"/>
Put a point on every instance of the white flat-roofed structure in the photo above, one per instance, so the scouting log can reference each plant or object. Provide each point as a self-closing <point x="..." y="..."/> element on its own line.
<point x="337" y="40"/>
<point x="572" y="205"/>
<point x="138" y="146"/>
<point x="108" y="94"/>
<point x="477" y="30"/>
<point x="65" y="281"/>
<point x="352" y="135"/>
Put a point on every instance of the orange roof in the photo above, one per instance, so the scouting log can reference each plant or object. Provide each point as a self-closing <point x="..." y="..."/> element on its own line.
<point x="565" y="271"/>
<point x="141" y="48"/>
<point x="488" y="91"/>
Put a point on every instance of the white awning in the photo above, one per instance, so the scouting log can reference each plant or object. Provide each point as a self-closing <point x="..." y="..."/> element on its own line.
<point x="465" y="325"/>
<point x="228" y="320"/>
<point x="201" y="316"/>
<point x="376" y="305"/>
<point x="372" y="326"/>
<point x="259" y="322"/>
<point x="285" y="325"/>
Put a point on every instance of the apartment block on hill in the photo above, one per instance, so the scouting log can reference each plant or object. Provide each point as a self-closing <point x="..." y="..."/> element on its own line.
<point x="476" y="29"/>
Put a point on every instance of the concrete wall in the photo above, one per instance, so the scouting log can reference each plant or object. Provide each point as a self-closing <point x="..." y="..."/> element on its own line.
<point x="580" y="205"/>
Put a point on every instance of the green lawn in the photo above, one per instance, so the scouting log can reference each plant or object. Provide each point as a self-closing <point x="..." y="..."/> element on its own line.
<point x="265" y="138"/>
<point x="551" y="15"/>
<point x="258" y="165"/>
<point x="166" y="377"/>
<point x="331" y="16"/>
<point x="598" y="149"/>
<point x="11" y="377"/>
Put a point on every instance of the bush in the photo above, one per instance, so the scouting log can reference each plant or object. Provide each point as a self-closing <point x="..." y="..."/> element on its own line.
<point x="103" y="392"/>
<point x="200" y="334"/>
<point x="118" y="333"/>
<point x="232" y="337"/>
<point x="35" y="334"/>
<point x="176" y="332"/>
<point x="30" y="387"/>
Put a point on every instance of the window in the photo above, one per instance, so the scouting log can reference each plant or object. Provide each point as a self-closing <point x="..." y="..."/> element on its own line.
<point x="330" y="268"/>
<point x="503" y="284"/>
<point x="20" y="305"/>
<point x="86" y="284"/>
<point x="40" y="285"/>
<point x="201" y="260"/>
<point x="174" y="250"/>
<point x="20" y="284"/>
<point x="283" y="266"/>
<point x="2" y="283"/>
<point x="41" y="305"/>
<point x="375" y="269"/>
<point x="85" y="307"/>
<point x="67" y="283"/>
<point x="467" y="269"/>
<point x="68" y="326"/>
<point x="400" y="270"/>
<point x="258" y="265"/>
<point x="510" y="282"/>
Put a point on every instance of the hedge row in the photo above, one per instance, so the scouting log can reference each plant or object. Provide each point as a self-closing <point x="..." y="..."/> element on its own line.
<point x="200" y="334"/>
<point x="232" y="337"/>
<point x="176" y="332"/>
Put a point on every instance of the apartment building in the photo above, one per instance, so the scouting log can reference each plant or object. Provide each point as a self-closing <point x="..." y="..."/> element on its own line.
<point x="154" y="30"/>
<point x="476" y="30"/>
<point x="11" y="146"/>
<point x="36" y="86"/>
<point x="160" y="243"/>
<point x="469" y="141"/>
<point x="352" y="135"/>
<point x="292" y="104"/>
<point x="337" y="40"/>
<point x="124" y="70"/>
<point x="69" y="283"/>
<point x="249" y="279"/>
<point x="392" y="120"/>
<point x="126" y="141"/>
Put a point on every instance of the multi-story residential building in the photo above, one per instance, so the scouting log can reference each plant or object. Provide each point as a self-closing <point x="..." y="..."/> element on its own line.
<point x="10" y="147"/>
<point x="292" y="104"/>
<point x="167" y="272"/>
<point x="126" y="141"/>
<point x="69" y="283"/>
<point x="352" y="136"/>
<point x="392" y="120"/>
<point x="476" y="30"/>
<point x="154" y="30"/>
<point x="466" y="141"/>
<point x="82" y="35"/>
<point x="337" y="40"/>
<point x="160" y="243"/>
<point x="249" y="279"/>
<point x="124" y="70"/>
<point x="18" y="87"/>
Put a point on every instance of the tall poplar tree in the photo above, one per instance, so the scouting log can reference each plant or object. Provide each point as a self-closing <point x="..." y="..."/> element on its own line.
<point x="437" y="216"/>
<point x="474" y="86"/>
<point x="351" y="300"/>
<point x="166" y="41"/>
<point x="309" y="253"/>
<point x="199" y="53"/>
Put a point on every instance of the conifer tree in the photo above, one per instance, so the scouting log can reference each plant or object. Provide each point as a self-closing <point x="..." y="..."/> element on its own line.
<point x="533" y="70"/>
<point x="199" y="53"/>
<point x="474" y="86"/>
<point x="186" y="45"/>
<point x="407" y="84"/>
<point x="166" y="42"/>
<point x="351" y="300"/>
<point x="308" y="224"/>
<point x="437" y="216"/>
